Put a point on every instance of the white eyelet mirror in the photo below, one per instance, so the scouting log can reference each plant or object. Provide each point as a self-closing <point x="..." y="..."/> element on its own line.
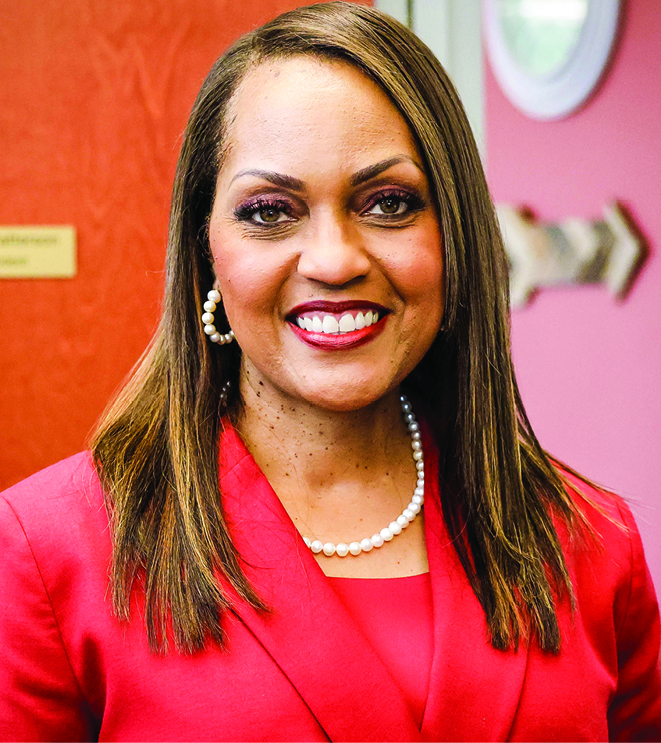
<point x="548" y="55"/>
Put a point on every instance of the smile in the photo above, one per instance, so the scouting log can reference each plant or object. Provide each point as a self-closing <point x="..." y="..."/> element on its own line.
<point x="332" y="324"/>
<point x="337" y="325"/>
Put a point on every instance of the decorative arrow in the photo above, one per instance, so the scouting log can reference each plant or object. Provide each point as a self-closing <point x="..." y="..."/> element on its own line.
<point x="575" y="251"/>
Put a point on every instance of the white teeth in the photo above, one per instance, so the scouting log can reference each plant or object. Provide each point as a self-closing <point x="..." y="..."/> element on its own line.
<point x="347" y="323"/>
<point x="330" y="325"/>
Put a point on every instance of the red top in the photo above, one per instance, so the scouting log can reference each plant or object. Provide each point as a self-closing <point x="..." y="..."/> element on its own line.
<point x="70" y="670"/>
<point x="397" y="616"/>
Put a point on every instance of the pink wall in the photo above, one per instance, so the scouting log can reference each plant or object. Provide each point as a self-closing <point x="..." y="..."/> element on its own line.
<point x="590" y="367"/>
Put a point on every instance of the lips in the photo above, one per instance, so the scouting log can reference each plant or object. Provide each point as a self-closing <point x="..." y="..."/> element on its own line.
<point x="336" y="325"/>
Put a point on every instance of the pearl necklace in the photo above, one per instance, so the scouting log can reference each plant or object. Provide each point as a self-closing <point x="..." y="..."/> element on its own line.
<point x="403" y="520"/>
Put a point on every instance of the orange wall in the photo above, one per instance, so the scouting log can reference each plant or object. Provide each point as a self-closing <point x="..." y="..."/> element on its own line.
<point x="94" y="95"/>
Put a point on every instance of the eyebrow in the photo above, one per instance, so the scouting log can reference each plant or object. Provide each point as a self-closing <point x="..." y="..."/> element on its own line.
<point x="278" y="179"/>
<point x="295" y="184"/>
<point x="371" y="171"/>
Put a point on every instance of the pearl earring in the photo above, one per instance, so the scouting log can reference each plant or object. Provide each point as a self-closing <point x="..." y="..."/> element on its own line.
<point x="213" y="297"/>
<point x="224" y="392"/>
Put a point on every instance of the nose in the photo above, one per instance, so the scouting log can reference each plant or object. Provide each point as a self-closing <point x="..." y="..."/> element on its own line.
<point x="333" y="253"/>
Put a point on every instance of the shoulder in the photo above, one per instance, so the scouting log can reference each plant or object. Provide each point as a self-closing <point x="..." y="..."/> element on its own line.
<point x="606" y="533"/>
<point x="59" y="477"/>
<point x="56" y="517"/>
<point x="607" y="562"/>
<point x="605" y="525"/>
<point x="57" y="492"/>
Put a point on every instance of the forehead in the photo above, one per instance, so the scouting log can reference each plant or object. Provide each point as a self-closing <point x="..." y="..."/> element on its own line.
<point x="308" y="108"/>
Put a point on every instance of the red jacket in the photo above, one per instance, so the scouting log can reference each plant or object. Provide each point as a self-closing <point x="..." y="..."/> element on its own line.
<point x="69" y="670"/>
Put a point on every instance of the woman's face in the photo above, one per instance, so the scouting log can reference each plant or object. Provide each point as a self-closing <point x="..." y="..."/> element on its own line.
<point x="326" y="246"/>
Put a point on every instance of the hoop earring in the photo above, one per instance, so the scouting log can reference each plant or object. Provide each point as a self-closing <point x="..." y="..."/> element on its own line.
<point x="213" y="297"/>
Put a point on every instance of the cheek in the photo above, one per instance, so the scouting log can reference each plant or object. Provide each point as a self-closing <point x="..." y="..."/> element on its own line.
<point x="419" y="271"/>
<point x="249" y="276"/>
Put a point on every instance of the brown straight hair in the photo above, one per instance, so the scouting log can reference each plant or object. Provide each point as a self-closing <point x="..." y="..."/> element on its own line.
<point x="156" y="451"/>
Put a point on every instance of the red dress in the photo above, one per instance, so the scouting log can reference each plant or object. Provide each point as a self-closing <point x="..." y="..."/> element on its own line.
<point x="69" y="670"/>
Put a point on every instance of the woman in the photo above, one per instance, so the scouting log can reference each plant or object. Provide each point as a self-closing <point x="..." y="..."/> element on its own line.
<point x="334" y="271"/>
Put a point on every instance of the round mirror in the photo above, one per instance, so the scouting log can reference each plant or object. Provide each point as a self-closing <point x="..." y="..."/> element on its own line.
<point x="548" y="55"/>
<point x="541" y="34"/>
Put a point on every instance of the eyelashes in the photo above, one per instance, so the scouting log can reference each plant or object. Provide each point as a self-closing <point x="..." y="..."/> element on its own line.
<point x="387" y="205"/>
<point x="265" y="211"/>
<point x="391" y="201"/>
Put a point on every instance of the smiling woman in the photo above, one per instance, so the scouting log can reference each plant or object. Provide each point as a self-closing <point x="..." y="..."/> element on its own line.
<point x="340" y="227"/>
<point x="323" y="458"/>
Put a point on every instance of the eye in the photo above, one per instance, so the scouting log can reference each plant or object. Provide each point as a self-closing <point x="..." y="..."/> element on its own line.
<point x="269" y="215"/>
<point x="393" y="204"/>
<point x="390" y="205"/>
<point x="265" y="213"/>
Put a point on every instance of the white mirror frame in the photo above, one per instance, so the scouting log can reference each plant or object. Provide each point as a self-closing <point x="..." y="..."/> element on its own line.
<point x="558" y="95"/>
<point x="452" y="29"/>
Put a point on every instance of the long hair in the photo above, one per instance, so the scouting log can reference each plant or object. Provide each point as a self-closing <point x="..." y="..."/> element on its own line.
<point x="156" y="449"/>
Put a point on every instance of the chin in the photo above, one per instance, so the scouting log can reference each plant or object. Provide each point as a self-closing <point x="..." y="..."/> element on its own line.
<point x="346" y="397"/>
<point x="328" y="387"/>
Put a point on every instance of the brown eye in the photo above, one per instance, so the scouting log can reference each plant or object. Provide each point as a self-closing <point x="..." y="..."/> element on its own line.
<point x="390" y="205"/>
<point x="265" y="213"/>
<point x="269" y="215"/>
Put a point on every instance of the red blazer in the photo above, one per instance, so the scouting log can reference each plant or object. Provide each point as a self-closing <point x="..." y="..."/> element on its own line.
<point x="69" y="670"/>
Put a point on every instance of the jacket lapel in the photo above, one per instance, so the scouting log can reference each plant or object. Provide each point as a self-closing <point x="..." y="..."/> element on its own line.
<point x="474" y="690"/>
<point x="309" y="633"/>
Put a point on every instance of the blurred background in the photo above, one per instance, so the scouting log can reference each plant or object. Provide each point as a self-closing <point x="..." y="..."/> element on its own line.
<point x="94" y="96"/>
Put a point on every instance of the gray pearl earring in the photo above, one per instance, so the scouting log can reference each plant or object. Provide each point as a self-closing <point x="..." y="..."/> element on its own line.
<point x="213" y="297"/>
<point x="224" y="392"/>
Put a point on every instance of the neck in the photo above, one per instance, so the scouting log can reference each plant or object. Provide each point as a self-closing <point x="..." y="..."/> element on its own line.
<point x="340" y="475"/>
<point x="308" y="452"/>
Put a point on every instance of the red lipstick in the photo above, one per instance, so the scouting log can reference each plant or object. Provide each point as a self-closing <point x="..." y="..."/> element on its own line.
<point x="339" y="341"/>
<point x="332" y="341"/>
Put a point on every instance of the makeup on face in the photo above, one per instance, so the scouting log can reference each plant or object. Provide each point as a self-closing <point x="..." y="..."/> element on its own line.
<point x="324" y="236"/>
<point x="274" y="203"/>
<point x="337" y="325"/>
